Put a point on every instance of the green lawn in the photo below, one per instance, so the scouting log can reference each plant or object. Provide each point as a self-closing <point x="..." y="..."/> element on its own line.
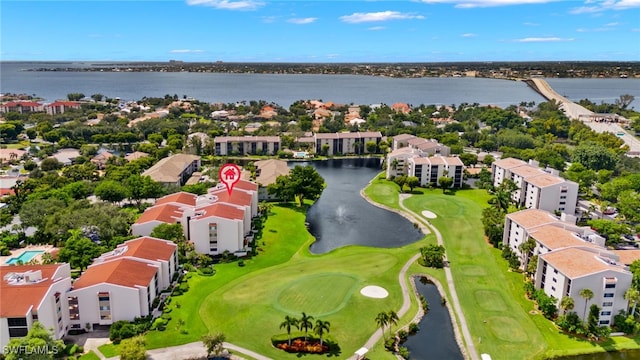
<point x="248" y="303"/>
<point x="89" y="356"/>
<point x="109" y="350"/>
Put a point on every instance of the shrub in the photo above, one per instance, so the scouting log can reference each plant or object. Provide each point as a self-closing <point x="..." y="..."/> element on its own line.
<point x="159" y="324"/>
<point x="207" y="271"/>
<point x="413" y="328"/>
<point x="404" y="352"/>
<point x="241" y="263"/>
<point x="390" y="344"/>
<point x="403" y="335"/>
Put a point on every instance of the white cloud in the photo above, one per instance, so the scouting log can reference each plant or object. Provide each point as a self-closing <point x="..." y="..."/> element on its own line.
<point x="487" y="3"/>
<point x="468" y="35"/>
<point x="530" y="24"/>
<point x="376" y="28"/>
<point x="542" y="39"/>
<point x="186" y="51"/>
<point x="595" y="6"/>
<point x="269" y="19"/>
<point x="356" y="18"/>
<point x="228" y="4"/>
<point x="301" y="21"/>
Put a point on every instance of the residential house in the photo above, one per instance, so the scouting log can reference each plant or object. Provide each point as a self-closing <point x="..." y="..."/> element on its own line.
<point x="30" y="293"/>
<point x="135" y="155"/>
<point x="59" y="107"/>
<point x="66" y="157"/>
<point x="244" y="145"/>
<point x="267" y="171"/>
<point x="22" y="107"/>
<point x="100" y="160"/>
<point x="174" y="170"/>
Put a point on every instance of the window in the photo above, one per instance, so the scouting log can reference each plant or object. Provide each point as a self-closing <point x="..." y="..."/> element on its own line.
<point x="607" y="304"/>
<point x="604" y="322"/>
<point x="553" y="288"/>
<point x="605" y="313"/>
<point x="610" y="286"/>
<point x="555" y="271"/>
<point x="608" y="295"/>
<point x="554" y="280"/>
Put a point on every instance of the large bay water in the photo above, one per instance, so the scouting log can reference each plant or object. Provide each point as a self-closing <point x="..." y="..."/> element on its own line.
<point x="342" y="217"/>
<point x="285" y="89"/>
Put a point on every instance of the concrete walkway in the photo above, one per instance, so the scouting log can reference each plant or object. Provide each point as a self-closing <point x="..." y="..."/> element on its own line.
<point x="197" y="350"/>
<point x="471" y="349"/>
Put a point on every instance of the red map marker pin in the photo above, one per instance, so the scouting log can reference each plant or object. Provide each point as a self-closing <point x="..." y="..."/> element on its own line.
<point x="229" y="175"/>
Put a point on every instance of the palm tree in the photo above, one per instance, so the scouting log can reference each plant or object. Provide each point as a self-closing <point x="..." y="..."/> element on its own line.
<point x="392" y="319"/>
<point x="288" y="322"/>
<point x="633" y="296"/>
<point x="587" y="294"/>
<point x="306" y="324"/>
<point x="382" y="319"/>
<point x="321" y="328"/>
<point x="566" y="304"/>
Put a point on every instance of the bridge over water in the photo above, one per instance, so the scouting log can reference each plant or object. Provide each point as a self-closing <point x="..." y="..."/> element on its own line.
<point x="578" y="112"/>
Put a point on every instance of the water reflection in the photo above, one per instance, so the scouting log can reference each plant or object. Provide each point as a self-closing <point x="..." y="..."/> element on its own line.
<point x="342" y="217"/>
<point x="436" y="339"/>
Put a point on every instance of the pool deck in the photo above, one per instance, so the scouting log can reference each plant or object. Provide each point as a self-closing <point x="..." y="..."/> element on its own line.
<point x="17" y="252"/>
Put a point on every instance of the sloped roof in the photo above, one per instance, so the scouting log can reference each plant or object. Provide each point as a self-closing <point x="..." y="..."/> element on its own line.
<point x="124" y="272"/>
<point x="17" y="299"/>
<point x="168" y="170"/>
<point x="220" y="210"/>
<point x="166" y="213"/>
<point x="575" y="262"/>
<point x="181" y="197"/>
<point x="148" y="248"/>
<point x="531" y="218"/>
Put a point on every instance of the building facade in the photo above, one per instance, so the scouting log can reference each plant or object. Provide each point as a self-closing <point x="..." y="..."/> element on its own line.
<point x="246" y="145"/>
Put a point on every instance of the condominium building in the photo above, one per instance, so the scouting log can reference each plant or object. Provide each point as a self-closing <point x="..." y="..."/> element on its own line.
<point x="346" y="143"/>
<point x="30" y="293"/>
<point x="245" y="145"/>
<point x="536" y="188"/>
<point x="59" y="107"/>
<point x="229" y="220"/>
<point x="429" y="170"/>
<point x="565" y="272"/>
<point x="122" y="284"/>
<point x="174" y="170"/>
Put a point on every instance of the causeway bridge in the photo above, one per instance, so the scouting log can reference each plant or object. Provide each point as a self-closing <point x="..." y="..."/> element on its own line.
<point x="598" y="122"/>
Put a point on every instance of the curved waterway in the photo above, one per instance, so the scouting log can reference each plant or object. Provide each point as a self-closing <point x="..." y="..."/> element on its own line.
<point x="435" y="339"/>
<point x="342" y="217"/>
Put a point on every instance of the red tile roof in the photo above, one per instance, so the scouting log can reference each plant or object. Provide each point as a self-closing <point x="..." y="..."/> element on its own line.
<point x="16" y="300"/>
<point x="123" y="272"/>
<point x="22" y="103"/>
<point x="246" y="185"/>
<point x="166" y="213"/>
<point x="179" y="197"/>
<point x="65" y="103"/>
<point x="149" y="248"/>
<point x="225" y="211"/>
<point x="236" y="197"/>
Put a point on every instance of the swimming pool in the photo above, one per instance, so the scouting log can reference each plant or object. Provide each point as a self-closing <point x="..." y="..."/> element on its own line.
<point x="25" y="257"/>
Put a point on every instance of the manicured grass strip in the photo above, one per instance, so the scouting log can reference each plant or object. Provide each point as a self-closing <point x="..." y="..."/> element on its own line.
<point x="90" y="356"/>
<point x="109" y="350"/>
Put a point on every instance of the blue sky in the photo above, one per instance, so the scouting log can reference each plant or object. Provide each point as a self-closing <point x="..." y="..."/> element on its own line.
<point x="321" y="31"/>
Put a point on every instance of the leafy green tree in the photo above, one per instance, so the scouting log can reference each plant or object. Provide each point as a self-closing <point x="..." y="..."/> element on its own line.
<point x="526" y="249"/>
<point x="143" y="187"/>
<point x="581" y="175"/>
<point x="400" y="180"/>
<point x="214" y="344"/>
<point x="97" y="97"/>
<point x="288" y="323"/>
<point x="50" y="164"/>
<point x="39" y="344"/>
<point x="433" y="255"/>
<point x="594" y="156"/>
<point x="34" y="213"/>
<point x="371" y="147"/>
<point x="110" y="190"/>
<point x="303" y="182"/>
<point x="321" y="327"/>
<point x="587" y="295"/>
<point x="133" y="349"/>
<point x="75" y="96"/>
<point x="413" y="182"/>
<point x="628" y="206"/>
<point x="445" y="183"/>
<point x="632" y="295"/>
<point x="469" y="159"/>
<point x="305" y="324"/>
<point x="78" y="250"/>
<point x="281" y="189"/>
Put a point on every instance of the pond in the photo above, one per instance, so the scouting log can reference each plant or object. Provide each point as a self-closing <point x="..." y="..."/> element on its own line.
<point x="342" y="217"/>
<point x="435" y="339"/>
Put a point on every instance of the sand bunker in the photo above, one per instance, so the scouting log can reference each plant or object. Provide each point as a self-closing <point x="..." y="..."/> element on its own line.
<point x="428" y="214"/>
<point x="375" y="292"/>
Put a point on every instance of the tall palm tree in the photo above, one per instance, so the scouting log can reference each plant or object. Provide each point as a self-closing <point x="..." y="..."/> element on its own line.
<point x="567" y="304"/>
<point x="633" y="296"/>
<point x="382" y="319"/>
<point x="587" y="294"/>
<point x="321" y="328"/>
<point x="392" y="319"/>
<point x="305" y="324"/>
<point x="289" y="322"/>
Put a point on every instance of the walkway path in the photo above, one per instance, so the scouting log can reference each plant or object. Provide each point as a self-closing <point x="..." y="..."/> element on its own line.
<point x="452" y="289"/>
<point x="195" y="350"/>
